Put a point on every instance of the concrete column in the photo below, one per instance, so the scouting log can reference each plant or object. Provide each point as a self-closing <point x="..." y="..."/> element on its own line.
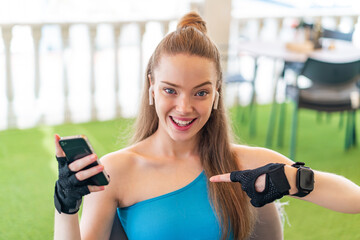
<point x="7" y="36"/>
<point x="217" y="15"/>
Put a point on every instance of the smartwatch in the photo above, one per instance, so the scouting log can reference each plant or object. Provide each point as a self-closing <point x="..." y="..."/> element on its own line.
<point x="304" y="179"/>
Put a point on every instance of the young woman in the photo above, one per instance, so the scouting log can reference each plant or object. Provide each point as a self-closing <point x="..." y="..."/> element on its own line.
<point x="159" y="184"/>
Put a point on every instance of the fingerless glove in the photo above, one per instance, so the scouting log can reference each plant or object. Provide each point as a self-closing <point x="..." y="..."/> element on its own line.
<point x="276" y="183"/>
<point x="68" y="189"/>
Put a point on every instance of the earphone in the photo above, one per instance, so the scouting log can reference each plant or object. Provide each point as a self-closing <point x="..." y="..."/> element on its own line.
<point x="216" y="100"/>
<point x="151" y="99"/>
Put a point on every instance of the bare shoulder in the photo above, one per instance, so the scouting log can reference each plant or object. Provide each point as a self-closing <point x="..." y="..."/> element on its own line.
<point x="249" y="157"/>
<point x="122" y="167"/>
<point x="122" y="159"/>
<point x="120" y="164"/>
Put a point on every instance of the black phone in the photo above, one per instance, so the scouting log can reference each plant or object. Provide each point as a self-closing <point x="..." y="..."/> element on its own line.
<point x="76" y="147"/>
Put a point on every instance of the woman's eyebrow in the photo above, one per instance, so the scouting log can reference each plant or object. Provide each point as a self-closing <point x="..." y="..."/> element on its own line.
<point x="200" y="85"/>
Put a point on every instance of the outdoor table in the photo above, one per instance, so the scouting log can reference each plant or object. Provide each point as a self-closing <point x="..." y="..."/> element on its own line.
<point x="336" y="51"/>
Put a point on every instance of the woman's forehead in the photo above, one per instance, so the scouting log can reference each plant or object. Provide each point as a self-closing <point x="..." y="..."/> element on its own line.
<point x="185" y="69"/>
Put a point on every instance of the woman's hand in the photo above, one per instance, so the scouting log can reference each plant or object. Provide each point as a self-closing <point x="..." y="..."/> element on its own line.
<point x="263" y="185"/>
<point x="71" y="185"/>
<point x="259" y="183"/>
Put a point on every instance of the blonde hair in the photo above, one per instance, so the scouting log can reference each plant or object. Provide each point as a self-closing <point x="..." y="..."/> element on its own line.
<point x="232" y="206"/>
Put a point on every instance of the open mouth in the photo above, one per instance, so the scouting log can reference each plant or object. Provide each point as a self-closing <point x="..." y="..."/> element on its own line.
<point x="182" y="123"/>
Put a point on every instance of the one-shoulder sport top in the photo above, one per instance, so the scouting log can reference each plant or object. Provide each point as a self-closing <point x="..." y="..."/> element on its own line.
<point x="182" y="214"/>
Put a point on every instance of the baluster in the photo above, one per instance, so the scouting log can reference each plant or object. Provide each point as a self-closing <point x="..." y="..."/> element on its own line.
<point x="92" y="34"/>
<point x="117" y="33"/>
<point x="36" y="35"/>
<point x="65" y="59"/>
<point x="7" y="36"/>
<point x="142" y="28"/>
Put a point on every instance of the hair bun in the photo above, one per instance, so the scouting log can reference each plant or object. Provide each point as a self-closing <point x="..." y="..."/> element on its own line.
<point x="192" y="19"/>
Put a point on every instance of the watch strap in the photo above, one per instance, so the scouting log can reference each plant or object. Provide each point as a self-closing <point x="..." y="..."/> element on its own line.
<point x="301" y="192"/>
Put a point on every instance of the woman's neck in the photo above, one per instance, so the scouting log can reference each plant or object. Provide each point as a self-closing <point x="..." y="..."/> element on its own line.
<point x="165" y="145"/>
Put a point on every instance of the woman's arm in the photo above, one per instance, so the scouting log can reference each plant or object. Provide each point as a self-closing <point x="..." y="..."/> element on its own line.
<point x="99" y="208"/>
<point x="96" y="219"/>
<point x="330" y="190"/>
<point x="67" y="225"/>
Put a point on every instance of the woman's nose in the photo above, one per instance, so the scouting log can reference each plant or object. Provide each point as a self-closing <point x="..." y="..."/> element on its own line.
<point x="184" y="104"/>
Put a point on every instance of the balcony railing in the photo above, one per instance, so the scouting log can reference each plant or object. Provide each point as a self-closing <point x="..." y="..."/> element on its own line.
<point x="24" y="41"/>
<point x="85" y="77"/>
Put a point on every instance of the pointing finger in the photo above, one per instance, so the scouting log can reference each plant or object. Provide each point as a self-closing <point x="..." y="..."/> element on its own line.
<point x="58" y="149"/>
<point x="221" y="178"/>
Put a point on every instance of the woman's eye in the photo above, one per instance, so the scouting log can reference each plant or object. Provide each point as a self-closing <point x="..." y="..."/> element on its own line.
<point x="202" y="93"/>
<point x="169" y="90"/>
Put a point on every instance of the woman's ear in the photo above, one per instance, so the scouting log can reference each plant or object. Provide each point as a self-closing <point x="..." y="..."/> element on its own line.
<point x="216" y="100"/>
<point x="149" y="79"/>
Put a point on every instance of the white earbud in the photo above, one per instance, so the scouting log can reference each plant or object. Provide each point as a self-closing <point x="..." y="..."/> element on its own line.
<point x="216" y="100"/>
<point x="151" y="99"/>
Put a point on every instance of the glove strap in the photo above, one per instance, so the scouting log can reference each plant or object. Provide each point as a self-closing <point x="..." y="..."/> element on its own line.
<point x="279" y="180"/>
<point x="60" y="207"/>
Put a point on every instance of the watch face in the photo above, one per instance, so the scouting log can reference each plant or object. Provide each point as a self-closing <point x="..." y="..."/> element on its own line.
<point x="306" y="179"/>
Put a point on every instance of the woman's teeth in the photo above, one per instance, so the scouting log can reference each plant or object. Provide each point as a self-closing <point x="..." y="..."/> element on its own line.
<point x="182" y="123"/>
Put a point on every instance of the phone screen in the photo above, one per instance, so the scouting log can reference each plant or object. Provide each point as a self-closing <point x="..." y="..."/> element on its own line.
<point x="76" y="147"/>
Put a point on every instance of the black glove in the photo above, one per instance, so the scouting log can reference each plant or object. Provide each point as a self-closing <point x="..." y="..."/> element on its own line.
<point x="68" y="189"/>
<point x="276" y="183"/>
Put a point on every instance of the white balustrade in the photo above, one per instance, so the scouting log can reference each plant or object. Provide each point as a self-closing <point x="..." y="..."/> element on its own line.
<point x="244" y="20"/>
<point x="240" y="25"/>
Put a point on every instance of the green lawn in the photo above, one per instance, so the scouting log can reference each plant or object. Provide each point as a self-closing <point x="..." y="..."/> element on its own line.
<point x="321" y="146"/>
<point x="28" y="172"/>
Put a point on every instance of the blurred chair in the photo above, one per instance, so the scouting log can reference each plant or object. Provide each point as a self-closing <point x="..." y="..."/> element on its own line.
<point x="296" y="68"/>
<point x="237" y="80"/>
<point x="331" y="89"/>
<point x="333" y="34"/>
<point x="325" y="33"/>
<point x="267" y="227"/>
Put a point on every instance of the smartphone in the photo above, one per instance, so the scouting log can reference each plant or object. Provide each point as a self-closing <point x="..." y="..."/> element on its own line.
<point x="76" y="147"/>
